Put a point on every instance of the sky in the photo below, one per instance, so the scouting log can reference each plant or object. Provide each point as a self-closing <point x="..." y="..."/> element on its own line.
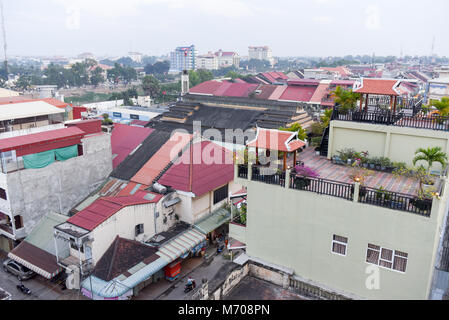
<point x="289" y="27"/>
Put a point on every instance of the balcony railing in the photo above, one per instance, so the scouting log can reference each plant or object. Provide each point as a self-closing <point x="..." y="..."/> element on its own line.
<point x="371" y="196"/>
<point x="395" y="200"/>
<point x="323" y="186"/>
<point x="432" y="122"/>
<point x="259" y="175"/>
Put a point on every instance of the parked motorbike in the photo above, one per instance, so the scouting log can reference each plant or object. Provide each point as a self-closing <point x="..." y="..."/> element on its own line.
<point x="189" y="287"/>
<point x="24" y="289"/>
<point x="220" y="247"/>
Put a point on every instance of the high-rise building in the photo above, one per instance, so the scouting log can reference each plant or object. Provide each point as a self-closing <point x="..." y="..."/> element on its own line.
<point x="183" y="58"/>
<point x="261" y="53"/>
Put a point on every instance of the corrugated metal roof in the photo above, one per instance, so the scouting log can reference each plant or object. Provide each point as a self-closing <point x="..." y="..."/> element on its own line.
<point x="103" y="208"/>
<point x="213" y="221"/>
<point x="45" y="137"/>
<point x="212" y="167"/>
<point x="37" y="252"/>
<point x="161" y="159"/>
<point x="27" y="109"/>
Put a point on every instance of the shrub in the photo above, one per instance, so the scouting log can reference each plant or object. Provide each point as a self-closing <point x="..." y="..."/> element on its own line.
<point x="306" y="172"/>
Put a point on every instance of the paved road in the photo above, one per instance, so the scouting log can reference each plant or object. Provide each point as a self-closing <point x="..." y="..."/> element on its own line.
<point x="204" y="271"/>
<point x="41" y="289"/>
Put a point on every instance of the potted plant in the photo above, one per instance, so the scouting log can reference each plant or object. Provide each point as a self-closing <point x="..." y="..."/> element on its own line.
<point x="384" y="163"/>
<point x="430" y="155"/>
<point x="303" y="175"/>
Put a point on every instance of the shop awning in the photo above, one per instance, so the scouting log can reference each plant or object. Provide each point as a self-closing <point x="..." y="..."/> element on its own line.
<point x="181" y="245"/>
<point x="36" y="259"/>
<point x="213" y="221"/>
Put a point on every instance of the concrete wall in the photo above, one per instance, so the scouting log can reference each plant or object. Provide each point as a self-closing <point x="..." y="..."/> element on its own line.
<point x="238" y="232"/>
<point x="397" y="143"/>
<point x="61" y="185"/>
<point x="295" y="228"/>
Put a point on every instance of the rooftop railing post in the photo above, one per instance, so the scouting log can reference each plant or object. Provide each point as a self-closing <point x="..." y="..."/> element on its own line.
<point x="236" y="170"/>
<point x="287" y="179"/>
<point x="356" y="191"/>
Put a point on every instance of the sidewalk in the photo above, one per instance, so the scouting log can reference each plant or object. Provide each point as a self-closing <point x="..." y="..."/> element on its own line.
<point x="155" y="290"/>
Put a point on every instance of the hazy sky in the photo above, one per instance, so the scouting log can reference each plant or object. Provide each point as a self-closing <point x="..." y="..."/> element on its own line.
<point x="289" y="27"/>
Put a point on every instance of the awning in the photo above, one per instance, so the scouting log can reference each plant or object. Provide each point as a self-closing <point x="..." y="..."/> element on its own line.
<point x="171" y="202"/>
<point x="181" y="245"/>
<point x="213" y="221"/>
<point x="235" y="244"/>
<point x="36" y="259"/>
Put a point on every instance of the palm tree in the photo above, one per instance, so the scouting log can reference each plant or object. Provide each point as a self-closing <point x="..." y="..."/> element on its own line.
<point x="345" y="98"/>
<point x="430" y="155"/>
<point x="296" y="127"/>
<point x="326" y="118"/>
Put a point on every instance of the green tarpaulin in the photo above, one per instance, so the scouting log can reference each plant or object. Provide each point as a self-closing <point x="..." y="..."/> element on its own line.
<point x="63" y="154"/>
<point x="39" y="160"/>
<point x="43" y="159"/>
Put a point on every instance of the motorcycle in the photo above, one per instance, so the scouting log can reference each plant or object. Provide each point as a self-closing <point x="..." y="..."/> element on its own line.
<point x="189" y="287"/>
<point x="24" y="289"/>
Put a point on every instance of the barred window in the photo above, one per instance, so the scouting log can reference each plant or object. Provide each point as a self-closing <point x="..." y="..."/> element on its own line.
<point x="139" y="229"/>
<point x="339" y="245"/>
<point x="387" y="258"/>
<point x="220" y="194"/>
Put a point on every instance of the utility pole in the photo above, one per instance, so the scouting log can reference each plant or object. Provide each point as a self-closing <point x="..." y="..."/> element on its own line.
<point x="4" y="39"/>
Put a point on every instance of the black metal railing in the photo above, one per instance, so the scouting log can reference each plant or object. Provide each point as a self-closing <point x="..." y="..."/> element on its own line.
<point x="323" y="186"/>
<point x="259" y="175"/>
<point x="395" y="200"/>
<point x="432" y="122"/>
<point x="243" y="171"/>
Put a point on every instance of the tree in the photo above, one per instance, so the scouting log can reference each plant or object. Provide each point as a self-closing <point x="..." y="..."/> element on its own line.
<point x="204" y="75"/>
<point x="296" y="127"/>
<point x="430" y="155"/>
<point x="97" y="76"/>
<point x="23" y="83"/>
<point x="326" y="118"/>
<point x="194" y="78"/>
<point x="345" y="98"/>
<point x="151" y="86"/>
<point x="160" y="67"/>
<point x="442" y="106"/>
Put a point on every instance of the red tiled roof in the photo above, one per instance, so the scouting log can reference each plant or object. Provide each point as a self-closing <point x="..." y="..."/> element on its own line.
<point x="303" y="82"/>
<point x="276" y="140"/>
<point x="224" y="86"/>
<point x="208" y="87"/>
<point x="124" y="139"/>
<point x="377" y="86"/>
<point x="139" y="123"/>
<point x="239" y="89"/>
<point x="343" y="82"/>
<point x="46" y="140"/>
<point x="212" y="167"/>
<point x="104" y="208"/>
<point x="298" y="93"/>
<point x="277" y="93"/>
<point x="151" y="169"/>
<point x="319" y="93"/>
<point x="266" y="91"/>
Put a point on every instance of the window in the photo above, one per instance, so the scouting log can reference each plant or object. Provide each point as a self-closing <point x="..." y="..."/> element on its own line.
<point x="74" y="246"/>
<point x="339" y="245"/>
<point x="134" y="116"/>
<point x="139" y="229"/>
<point x="387" y="258"/>
<point x="117" y="114"/>
<point x="2" y="193"/>
<point x="220" y="194"/>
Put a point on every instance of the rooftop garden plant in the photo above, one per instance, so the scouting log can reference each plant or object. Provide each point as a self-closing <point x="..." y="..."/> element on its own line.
<point x="346" y="99"/>
<point x="305" y="171"/>
<point x="430" y="155"/>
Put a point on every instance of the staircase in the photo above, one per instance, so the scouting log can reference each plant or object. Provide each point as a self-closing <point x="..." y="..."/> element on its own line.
<point x="324" y="143"/>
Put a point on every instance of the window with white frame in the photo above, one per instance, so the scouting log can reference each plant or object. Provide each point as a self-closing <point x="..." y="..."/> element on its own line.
<point x="387" y="258"/>
<point x="339" y="245"/>
<point x="139" y="229"/>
